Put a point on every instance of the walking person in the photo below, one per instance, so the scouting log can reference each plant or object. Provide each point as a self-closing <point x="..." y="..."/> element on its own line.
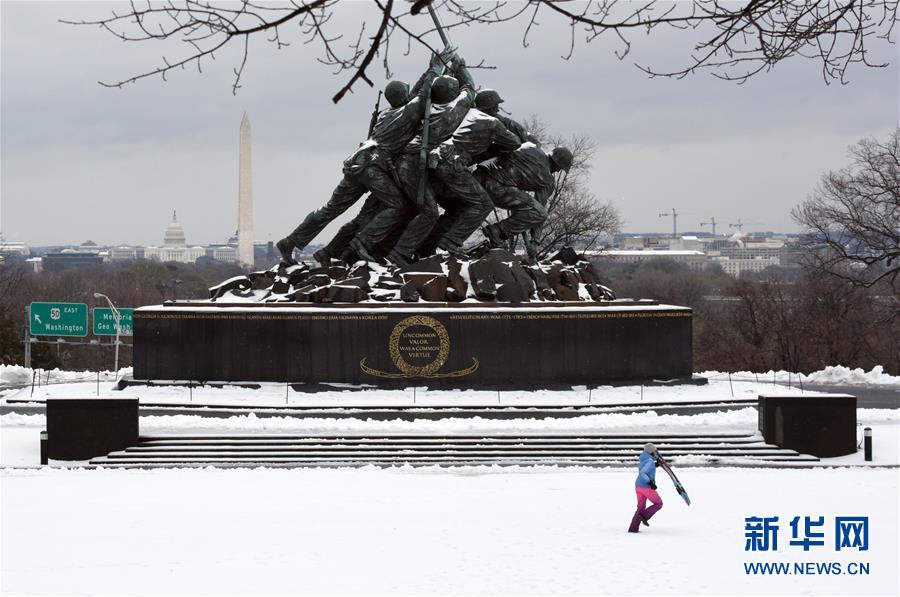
<point x="645" y="488"/>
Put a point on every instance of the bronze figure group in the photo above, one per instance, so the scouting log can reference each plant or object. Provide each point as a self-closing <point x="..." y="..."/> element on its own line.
<point x="435" y="164"/>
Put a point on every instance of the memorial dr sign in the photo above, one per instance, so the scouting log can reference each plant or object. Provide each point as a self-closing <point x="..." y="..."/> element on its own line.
<point x="105" y="322"/>
<point x="58" y="319"/>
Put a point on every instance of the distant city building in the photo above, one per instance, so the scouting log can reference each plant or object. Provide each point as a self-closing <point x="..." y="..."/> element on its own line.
<point x="69" y="259"/>
<point x="225" y="253"/>
<point x="124" y="253"/>
<point x="89" y="246"/>
<point x="695" y="260"/>
<point x="36" y="264"/>
<point x="174" y="246"/>
<point x="738" y="266"/>
<point x="9" y="249"/>
<point x="736" y="255"/>
<point x="686" y="243"/>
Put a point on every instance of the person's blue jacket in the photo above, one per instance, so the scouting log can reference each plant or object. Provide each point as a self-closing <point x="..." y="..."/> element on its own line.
<point x="646" y="470"/>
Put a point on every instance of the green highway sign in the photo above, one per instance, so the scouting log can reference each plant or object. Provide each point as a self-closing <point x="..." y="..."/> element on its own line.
<point x="105" y="322"/>
<point x="58" y="319"/>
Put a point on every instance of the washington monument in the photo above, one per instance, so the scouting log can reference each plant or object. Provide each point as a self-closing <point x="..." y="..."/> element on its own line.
<point x="245" y="198"/>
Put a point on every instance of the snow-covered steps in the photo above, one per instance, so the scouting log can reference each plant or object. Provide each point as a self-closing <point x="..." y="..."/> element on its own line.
<point x="447" y="450"/>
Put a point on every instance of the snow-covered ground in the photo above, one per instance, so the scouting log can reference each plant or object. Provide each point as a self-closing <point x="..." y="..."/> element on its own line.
<point x="468" y="530"/>
<point x="721" y="387"/>
<point x="271" y="394"/>
<point x="836" y="375"/>
<point x="429" y="531"/>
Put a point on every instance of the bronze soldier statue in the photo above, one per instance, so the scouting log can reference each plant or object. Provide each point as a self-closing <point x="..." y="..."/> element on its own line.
<point x="507" y="181"/>
<point x="466" y="203"/>
<point x="489" y="101"/>
<point x="370" y="167"/>
<point x="451" y="98"/>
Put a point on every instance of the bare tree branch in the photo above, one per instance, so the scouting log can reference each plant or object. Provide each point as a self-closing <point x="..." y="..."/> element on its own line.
<point x="853" y="217"/>
<point x="737" y="39"/>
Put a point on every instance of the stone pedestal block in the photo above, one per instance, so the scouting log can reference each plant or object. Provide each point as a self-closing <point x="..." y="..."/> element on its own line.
<point x="390" y="344"/>
<point x="820" y="425"/>
<point x="82" y="428"/>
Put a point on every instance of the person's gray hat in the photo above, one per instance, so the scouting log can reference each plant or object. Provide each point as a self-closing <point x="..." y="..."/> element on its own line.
<point x="650" y="449"/>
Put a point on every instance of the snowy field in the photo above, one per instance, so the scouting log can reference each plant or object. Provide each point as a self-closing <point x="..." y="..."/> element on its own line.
<point x="428" y="531"/>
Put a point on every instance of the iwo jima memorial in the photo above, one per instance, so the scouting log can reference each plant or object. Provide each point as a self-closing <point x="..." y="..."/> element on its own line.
<point x="398" y="297"/>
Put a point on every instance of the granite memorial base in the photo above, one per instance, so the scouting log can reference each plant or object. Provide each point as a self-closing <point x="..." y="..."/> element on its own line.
<point x="83" y="428"/>
<point x="820" y="425"/>
<point x="468" y="345"/>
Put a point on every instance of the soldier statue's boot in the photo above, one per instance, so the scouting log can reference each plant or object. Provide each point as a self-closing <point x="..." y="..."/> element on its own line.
<point x="533" y="251"/>
<point x="362" y="250"/>
<point x="286" y="248"/>
<point x="349" y="256"/>
<point x="479" y="250"/>
<point x="322" y="257"/>
<point x="494" y="234"/>
<point x="453" y="249"/>
<point x="398" y="259"/>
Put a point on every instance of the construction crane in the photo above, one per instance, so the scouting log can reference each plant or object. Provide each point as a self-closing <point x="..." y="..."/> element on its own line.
<point x="740" y="225"/>
<point x="674" y="216"/>
<point x="712" y="222"/>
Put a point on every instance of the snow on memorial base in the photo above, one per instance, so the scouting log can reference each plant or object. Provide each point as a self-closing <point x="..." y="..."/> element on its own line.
<point x="463" y="345"/>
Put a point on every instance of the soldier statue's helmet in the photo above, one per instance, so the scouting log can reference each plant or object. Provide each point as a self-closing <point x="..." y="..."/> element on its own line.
<point x="444" y="89"/>
<point x="396" y="93"/>
<point x="487" y="100"/>
<point x="562" y="157"/>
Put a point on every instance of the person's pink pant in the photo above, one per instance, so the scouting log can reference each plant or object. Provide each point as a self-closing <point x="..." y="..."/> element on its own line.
<point x="644" y="494"/>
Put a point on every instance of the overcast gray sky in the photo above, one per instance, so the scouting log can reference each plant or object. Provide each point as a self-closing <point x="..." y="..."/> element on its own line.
<point x="80" y="161"/>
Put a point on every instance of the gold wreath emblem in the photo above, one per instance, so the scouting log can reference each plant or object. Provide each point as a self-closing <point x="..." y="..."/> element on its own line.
<point x="407" y="369"/>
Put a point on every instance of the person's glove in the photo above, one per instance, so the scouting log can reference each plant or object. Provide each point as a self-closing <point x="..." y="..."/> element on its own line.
<point x="653" y="485"/>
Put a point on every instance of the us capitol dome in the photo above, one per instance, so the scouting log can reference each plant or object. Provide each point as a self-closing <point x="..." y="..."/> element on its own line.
<point x="174" y="246"/>
<point x="174" y="234"/>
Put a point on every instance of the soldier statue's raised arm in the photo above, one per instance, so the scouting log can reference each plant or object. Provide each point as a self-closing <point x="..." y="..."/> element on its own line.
<point x="508" y="182"/>
<point x="369" y="168"/>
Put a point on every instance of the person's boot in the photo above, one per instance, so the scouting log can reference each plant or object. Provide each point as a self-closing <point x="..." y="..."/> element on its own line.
<point x="644" y="521"/>
<point x="362" y="251"/>
<point x="494" y="235"/>
<point x="286" y="247"/>
<point x="322" y="258"/>
<point x="634" y="527"/>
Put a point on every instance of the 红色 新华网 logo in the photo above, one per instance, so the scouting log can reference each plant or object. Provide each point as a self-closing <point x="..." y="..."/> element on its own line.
<point x="419" y="347"/>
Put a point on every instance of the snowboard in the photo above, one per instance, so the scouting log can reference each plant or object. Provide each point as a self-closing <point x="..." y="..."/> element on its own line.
<point x="678" y="486"/>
